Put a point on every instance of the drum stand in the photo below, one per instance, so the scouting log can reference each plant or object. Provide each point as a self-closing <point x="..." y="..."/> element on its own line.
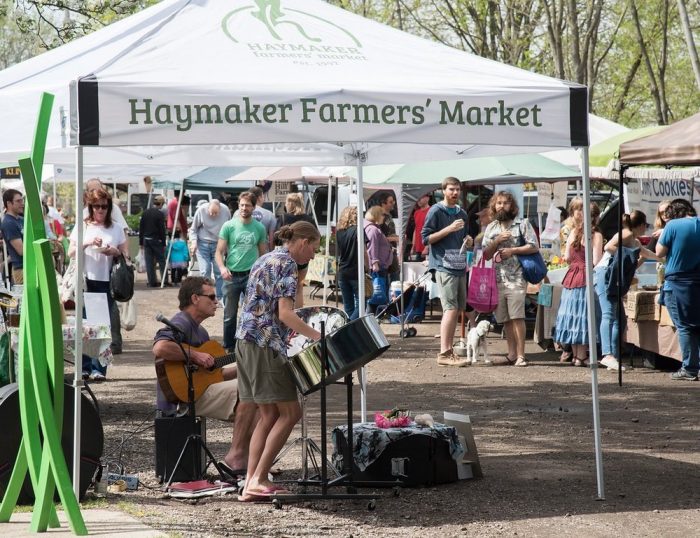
<point x="346" y="478"/>
<point x="309" y="449"/>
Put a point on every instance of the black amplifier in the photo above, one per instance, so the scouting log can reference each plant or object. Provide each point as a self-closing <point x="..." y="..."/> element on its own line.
<point x="171" y="436"/>
<point x="416" y="460"/>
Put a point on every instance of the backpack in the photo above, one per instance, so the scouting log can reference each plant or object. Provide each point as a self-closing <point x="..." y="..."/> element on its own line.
<point x="630" y="257"/>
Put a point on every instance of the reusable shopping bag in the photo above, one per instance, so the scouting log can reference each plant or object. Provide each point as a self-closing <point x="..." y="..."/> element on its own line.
<point x="483" y="291"/>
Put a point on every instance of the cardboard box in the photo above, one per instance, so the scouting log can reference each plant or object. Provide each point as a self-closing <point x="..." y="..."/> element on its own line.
<point x="470" y="466"/>
<point x="642" y="305"/>
<point x="664" y="318"/>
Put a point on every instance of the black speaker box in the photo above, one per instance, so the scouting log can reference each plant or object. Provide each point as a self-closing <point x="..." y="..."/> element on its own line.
<point x="171" y="436"/>
<point x="91" y="439"/>
<point x="416" y="460"/>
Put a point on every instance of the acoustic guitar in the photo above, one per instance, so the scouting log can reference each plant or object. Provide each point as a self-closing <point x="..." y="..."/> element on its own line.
<point x="172" y="375"/>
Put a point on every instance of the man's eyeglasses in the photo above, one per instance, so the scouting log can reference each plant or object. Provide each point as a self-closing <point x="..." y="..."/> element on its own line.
<point x="211" y="296"/>
<point x="103" y="207"/>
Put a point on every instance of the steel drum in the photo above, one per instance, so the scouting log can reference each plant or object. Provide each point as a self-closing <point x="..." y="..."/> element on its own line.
<point x="304" y="355"/>
<point x="349" y="348"/>
<point x="314" y="315"/>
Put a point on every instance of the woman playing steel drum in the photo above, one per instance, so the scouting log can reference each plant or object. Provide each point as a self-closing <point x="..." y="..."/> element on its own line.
<point x="263" y="377"/>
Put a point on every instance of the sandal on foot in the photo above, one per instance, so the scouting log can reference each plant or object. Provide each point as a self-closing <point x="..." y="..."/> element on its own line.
<point x="520" y="362"/>
<point x="234" y="474"/>
<point x="577" y="362"/>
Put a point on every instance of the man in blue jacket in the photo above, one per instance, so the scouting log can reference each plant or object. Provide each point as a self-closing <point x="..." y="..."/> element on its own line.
<point x="445" y="232"/>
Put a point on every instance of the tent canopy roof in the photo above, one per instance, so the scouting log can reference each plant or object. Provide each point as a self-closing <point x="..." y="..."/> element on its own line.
<point x="677" y="145"/>
<point x="492" y="170"/>
<point x="602" y="153"/>
<point x="200" y="179"/>
<point x="162" y="77"/>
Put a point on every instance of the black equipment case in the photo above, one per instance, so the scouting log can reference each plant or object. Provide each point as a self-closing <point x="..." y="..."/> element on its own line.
<point x="416" y="460"/>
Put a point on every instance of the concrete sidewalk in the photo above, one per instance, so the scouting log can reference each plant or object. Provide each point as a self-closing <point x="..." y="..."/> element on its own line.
<point x="98" y="523"/>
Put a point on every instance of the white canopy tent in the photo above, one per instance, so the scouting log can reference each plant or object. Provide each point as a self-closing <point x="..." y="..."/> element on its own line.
<point x="198" y="82"/>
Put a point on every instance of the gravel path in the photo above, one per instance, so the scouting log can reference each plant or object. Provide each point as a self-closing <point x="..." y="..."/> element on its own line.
<point x="533" y="427"/>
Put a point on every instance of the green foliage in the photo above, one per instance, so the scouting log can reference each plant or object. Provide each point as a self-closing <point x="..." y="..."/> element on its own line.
<point x="133" y="220"/>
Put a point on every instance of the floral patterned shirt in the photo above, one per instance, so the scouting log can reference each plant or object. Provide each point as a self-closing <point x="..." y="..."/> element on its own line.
<point x="509" y="273"/>
<point x="273" y="276"/>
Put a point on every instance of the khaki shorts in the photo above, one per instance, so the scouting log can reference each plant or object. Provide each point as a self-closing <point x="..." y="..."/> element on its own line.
<point x="511" y="304"/>
<point x="263" y="375"/>
<point x="219" y="401"/>
<point x="453" y="291"/>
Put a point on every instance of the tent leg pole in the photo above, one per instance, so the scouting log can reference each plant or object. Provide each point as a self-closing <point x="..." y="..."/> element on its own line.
<point x="361" y="275"/>
<point x="172" y="236"/>
<point x="326" y="279"/>
<point x="592" y="323"/>
<point x="78" y="343"/>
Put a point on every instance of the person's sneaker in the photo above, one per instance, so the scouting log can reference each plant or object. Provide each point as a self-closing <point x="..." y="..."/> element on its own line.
<point x="611" y="363"/>
<point x="447" y="358"/>
<point x="97" y="376"/>
<point x="684" y="374"/>
<point x="520" y="362"/>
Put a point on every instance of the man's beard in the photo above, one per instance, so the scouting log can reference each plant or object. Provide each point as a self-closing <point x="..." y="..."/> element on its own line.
<point x="503" y="215"/>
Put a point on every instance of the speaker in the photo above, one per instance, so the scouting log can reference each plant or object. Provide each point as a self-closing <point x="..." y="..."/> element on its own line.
<point x="171" y="436"/>
<point x="91" y="439"/>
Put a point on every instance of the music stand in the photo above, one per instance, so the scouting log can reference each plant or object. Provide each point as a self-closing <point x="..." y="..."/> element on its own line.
<point x="194" y="438"/>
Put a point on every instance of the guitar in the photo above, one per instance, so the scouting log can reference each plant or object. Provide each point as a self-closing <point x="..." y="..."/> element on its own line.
<point x="172" y="375"/>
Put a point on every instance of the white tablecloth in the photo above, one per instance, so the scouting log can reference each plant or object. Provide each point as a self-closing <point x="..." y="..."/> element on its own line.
<point x="412" y="271"/>
<point x="96" y="341"/>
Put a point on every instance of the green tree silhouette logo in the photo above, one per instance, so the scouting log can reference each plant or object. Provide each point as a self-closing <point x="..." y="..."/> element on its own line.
<point x="270" y="13"/>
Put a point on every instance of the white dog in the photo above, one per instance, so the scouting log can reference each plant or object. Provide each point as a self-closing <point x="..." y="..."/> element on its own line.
<point x="476" y="342"/>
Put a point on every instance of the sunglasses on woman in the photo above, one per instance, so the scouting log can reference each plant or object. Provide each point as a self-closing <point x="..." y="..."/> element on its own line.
<point x="103" y="207"/>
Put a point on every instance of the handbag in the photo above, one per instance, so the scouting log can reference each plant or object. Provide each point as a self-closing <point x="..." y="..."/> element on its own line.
<point x="380" y="290"/>
<point x="121" y="280"/>
<point x="128" y="315"/>
<point x="534" y="268"/>
<point x="482" y="293"/>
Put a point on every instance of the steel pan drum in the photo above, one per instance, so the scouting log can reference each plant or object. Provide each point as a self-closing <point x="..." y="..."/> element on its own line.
<point x="354" y="345"/>
<point x="314" y="315"/>
<point x="305" y="356"/>
<point x="350" y="347"/>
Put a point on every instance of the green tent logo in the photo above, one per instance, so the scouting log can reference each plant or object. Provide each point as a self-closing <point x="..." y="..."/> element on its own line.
<point x="281" y="25"/>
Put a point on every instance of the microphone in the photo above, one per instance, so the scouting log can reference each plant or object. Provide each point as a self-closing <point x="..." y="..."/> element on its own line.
<point x="165" y="321"/>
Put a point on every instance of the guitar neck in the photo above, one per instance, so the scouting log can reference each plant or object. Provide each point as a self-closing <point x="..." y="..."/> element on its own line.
<point x="224" y="360"/>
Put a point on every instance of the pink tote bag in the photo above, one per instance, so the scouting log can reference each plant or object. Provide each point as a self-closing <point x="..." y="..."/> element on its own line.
<point x="483" y="290"/>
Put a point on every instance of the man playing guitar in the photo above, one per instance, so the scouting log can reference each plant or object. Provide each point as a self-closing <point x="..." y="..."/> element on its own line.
<point x="197" y="297"/>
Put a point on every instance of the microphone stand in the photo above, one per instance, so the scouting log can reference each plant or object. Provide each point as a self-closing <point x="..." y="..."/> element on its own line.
<point x="195" y="437"/>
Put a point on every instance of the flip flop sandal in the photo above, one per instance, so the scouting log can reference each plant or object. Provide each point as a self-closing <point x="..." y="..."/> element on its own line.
<point x="232" y="473"/>
<point x="250" y="498"/>
<point x="577" y="362"/>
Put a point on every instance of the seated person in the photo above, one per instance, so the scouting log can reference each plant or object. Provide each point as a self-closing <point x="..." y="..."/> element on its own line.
<point x="197" y="298"/>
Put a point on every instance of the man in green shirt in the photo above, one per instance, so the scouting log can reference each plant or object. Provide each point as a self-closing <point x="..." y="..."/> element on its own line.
<point x="242" y="240"/>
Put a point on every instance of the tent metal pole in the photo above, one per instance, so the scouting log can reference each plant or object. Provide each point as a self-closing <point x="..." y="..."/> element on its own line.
<point x="336" y="245"/>
<point x="172" y="235"/>
<point x="400" y="247"/>
<point x="592" y="322"/>
<point x="326" y="279"/>
<point x="620" y="225"/>
<point x="78" y="344"/>
<point x="361" y="274"/>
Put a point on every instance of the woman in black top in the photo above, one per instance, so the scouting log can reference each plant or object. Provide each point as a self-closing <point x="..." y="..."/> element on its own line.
<point x="294" y="205"/>
<point x="346" y="240"/>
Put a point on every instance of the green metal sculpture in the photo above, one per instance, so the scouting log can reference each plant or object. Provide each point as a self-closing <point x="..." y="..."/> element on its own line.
<point x="40" y="373"/>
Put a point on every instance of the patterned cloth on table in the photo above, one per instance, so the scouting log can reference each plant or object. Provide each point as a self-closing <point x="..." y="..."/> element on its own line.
<point x="369" y="441"/>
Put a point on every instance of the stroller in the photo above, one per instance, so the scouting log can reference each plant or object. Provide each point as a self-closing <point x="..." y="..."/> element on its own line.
<point x="414" y="299"/>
